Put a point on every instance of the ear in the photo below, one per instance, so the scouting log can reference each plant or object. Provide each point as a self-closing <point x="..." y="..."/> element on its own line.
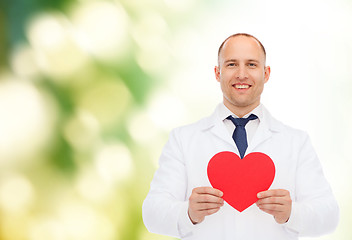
<point x="267" y="74"/>
<point x="217" y="73"/>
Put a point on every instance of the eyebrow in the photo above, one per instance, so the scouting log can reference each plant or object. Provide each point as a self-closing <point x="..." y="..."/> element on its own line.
<point x="253" y="60"/>
<point x="235" y="60"/>
<point x="230" y="60"/>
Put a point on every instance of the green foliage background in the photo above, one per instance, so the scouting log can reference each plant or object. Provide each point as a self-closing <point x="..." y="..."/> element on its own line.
<point x="86" y="112"/>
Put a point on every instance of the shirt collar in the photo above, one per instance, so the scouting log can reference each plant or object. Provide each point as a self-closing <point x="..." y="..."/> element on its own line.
<point x="224" y="112"/>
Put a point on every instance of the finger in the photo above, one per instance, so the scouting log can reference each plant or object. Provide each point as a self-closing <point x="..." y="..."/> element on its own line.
<point x="272" y="207"/>
<point x="272" y="200"/>
<point x="196" y="198"/>
<point x="212" y="211"/>
<point x="208" y="206"/>
<point x="208" y="190"/>
<point x="273" y="192"/>
<point x="271" y="212"/>
<point x="207" y="198"/>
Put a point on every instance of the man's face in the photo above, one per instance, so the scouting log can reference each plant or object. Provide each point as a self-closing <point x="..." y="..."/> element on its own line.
<point x="242" y="73"/>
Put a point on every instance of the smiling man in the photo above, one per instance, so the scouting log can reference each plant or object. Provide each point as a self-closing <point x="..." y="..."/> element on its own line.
<point x="181" y="201"/>
<point x="242" y="73"/>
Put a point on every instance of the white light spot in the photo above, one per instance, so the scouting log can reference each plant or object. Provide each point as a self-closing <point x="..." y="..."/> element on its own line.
<point x="16" y="193"/>
<point x="82" y="131"/>
<point x="25" y="123"/>
<point x="81" y="222"/>
<point x="114" y="162"/>
<point x="101" y="27"/>
<point x="142" y="128"/>
<point x="54" y="41"/>
<point x="46" y="229"/>
<point x="24" y="63"/>
<point x="91" y="186"/>
<point x="166" y="111"/>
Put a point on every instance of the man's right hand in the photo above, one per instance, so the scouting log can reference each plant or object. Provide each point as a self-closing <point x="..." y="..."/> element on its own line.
<point x="204" y="201"/>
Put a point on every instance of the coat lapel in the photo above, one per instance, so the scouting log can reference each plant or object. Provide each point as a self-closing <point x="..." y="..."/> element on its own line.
<point x="267" y="126"/>
<point x="220" y="131"/>
<point x="262" y="134"/>
<point x="216" y="126"/>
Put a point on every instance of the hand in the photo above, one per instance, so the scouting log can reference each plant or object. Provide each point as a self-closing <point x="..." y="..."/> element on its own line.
<point x="204" y="201"/>
<point x="276" y="202"/>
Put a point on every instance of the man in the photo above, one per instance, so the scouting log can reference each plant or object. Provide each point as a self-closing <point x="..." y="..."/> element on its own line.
<point x="181" y="201"/>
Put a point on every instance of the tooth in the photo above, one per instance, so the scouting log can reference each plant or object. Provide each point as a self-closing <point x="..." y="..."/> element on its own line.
<point x="242" y="86"/>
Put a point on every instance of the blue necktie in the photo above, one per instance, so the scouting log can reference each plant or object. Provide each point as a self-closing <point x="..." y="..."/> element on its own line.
<point x="239" y="135"/>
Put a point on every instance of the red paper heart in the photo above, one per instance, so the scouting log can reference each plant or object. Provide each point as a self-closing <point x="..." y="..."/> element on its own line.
<point x="241" y="179"/>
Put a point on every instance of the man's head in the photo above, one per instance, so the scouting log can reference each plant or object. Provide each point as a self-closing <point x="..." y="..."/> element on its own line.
<point x="245" y="35"/>
<point x="242" y="72"/>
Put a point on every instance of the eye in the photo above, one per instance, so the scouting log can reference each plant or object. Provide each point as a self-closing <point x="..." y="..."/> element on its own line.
<point x="252" y="65"/>
<point x="230" y="65"/>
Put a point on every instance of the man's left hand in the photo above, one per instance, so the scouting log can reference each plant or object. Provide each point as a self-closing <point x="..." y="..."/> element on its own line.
<point x="276" y="202"/>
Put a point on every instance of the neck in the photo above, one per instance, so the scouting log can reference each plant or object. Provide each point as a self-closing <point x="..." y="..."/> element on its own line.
<point x="239" y="110"/>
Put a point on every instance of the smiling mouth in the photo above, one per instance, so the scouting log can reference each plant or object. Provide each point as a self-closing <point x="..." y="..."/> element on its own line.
<point x="241" y="86"/>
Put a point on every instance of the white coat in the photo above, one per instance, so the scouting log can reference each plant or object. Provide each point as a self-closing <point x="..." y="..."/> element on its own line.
<point x="183" y="166"/>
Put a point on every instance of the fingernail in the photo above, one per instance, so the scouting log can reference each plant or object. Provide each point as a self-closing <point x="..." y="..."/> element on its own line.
<point x="259" y="195"/>
<point x="221" y="194"/>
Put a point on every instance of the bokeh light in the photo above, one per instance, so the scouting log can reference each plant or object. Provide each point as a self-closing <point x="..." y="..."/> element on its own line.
<point x="25" y="126"/>
<point x="16" y="193"/>
<point x="114" y="163"/>
<point x="57" y="52"/>
<point x="101" y="28"/>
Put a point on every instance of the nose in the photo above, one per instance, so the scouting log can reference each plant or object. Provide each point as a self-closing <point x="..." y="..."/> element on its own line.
<point x="241" y="73"/>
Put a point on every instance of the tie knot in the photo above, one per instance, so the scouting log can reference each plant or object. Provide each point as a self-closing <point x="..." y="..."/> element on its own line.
<point x="241" y="121"/>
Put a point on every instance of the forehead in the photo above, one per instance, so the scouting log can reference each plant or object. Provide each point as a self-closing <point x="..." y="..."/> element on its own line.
<point x="242" y="47"/>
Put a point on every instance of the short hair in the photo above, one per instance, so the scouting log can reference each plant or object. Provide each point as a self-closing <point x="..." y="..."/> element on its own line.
<point x="241" y="34"/>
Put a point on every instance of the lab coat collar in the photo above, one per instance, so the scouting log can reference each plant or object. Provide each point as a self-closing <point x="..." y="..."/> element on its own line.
<point x="224" y="112"/>
<point x="267" y="126"/>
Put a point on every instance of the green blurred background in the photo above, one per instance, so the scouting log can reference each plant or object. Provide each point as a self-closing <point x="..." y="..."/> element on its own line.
<point x="89" y="91"/>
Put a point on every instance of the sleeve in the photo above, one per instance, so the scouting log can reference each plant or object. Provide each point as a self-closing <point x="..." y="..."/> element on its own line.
<point x="314" y="210"/>
<point x="165" y="207"/>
